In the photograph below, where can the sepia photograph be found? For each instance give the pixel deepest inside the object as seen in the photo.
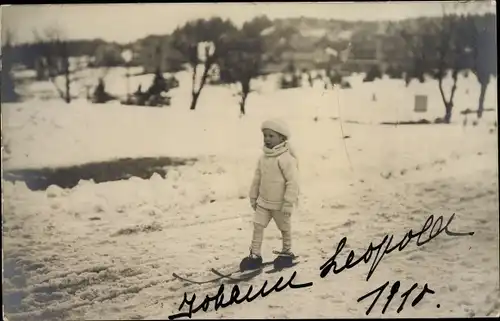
(249, 160)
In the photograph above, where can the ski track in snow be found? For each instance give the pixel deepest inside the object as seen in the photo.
(101, 251)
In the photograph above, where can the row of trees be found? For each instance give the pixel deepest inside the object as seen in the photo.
(50, 55)
(107, 54)
(438, 47)
(240, 53)
(452, 45)
(435, 47)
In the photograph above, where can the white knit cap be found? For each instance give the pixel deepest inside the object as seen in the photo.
(278, 126)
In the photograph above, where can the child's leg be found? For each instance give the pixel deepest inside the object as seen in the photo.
(260, 222)
(284, 225)
(257, 238)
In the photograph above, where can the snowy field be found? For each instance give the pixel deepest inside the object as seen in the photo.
(108, 250)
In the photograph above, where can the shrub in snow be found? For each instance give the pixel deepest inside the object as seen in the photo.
(100, 95)
(345, 85)
(335, 77)
(156, 95)
(289, 81)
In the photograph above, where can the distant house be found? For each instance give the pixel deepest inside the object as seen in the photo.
(305, 49)
(272, 68)
(307, 59)
(382, 48)
(313, 45)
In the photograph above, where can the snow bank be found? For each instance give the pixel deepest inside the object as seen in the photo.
(52, 133)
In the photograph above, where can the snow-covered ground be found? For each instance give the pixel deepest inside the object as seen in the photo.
(102, 251)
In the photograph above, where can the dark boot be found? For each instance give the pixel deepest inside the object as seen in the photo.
(251, 262)
(284, 260)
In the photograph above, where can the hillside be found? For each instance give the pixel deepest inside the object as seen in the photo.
(302, 40)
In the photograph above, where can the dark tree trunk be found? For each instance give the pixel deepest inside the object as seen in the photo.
(68, 81)
(242, 103)
(65, 61)
(245, 90)
(480, 108)
(194, 100)
(448, 112)
(8, 86)
(196, 93)
(448, 104)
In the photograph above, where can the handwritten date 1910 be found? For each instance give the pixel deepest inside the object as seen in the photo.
(394, 290)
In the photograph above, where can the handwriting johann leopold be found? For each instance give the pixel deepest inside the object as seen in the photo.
(235, 296)
(386, 241)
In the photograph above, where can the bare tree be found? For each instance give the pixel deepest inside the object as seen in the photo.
(186, 40)
(438, 49)
(242, 56)
(54, 56)
(449, 54)
(484, 52)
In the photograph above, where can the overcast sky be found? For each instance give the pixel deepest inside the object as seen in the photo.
(129, 22)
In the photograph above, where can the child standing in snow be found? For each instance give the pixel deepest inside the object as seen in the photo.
(274, 193)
